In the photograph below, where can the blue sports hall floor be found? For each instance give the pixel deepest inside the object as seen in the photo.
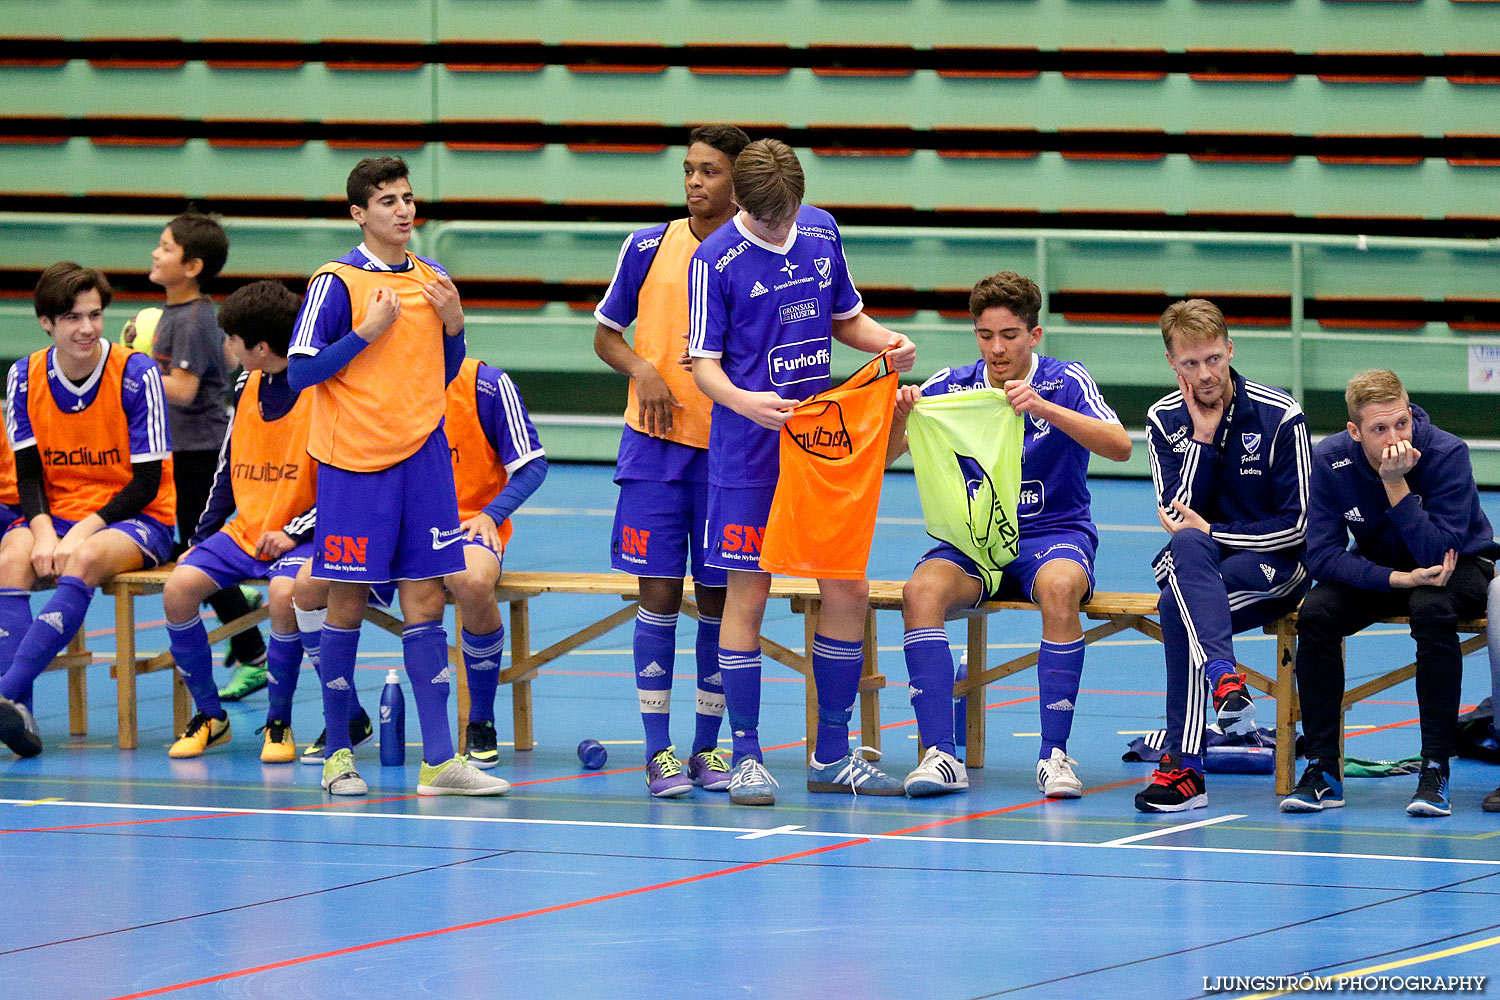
(131, 875)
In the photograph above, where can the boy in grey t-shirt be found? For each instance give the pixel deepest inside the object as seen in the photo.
(189, 347)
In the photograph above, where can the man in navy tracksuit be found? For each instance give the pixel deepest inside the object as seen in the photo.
(1231, 465)
(1422, 547)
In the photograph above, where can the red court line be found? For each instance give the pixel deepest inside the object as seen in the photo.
(1398, 725)
(607, 897)
(1376, 729)
(558, 908)
(623, 894)
(1006, 809)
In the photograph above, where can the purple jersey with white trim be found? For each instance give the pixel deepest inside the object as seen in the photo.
(617, 310)
(504, 418)
(766, 313)
(141, 397)
(1054, 467)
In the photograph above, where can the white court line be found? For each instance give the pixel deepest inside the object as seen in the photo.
(768, 833)
(913, 522)
(1164, 831)
(818, 834)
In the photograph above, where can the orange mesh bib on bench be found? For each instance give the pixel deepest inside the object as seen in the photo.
(832, 463)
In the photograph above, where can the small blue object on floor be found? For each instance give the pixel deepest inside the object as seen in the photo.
(592, 754)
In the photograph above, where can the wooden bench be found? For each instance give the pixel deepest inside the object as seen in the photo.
(1116, 612)
(1284, 688)
(1122, 611)
(516, 589)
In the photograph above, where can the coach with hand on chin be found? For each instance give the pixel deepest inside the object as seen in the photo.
(1422, 547)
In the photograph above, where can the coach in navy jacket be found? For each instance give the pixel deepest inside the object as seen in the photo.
(1231, 465)
(1422, 546)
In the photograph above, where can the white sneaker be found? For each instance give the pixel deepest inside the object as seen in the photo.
(752, 785)
(938, 774)
(456, 776)
(1055, 778)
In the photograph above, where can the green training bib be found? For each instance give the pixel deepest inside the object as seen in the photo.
(966, 447)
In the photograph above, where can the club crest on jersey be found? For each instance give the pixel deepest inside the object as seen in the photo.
(1040, 426)
(823, 434)
(825, 271)
(1252, 445)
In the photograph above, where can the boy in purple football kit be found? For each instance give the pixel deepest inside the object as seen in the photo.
(663, 463)
(1066, 420)
(768, 293)
(379, 338)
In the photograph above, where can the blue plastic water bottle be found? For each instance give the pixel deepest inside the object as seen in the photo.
(592, 754)
(392, 722)
(961, 705)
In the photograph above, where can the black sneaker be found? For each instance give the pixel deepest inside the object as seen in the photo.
(1319, 789)
(480, 746)
(1232, 705)
(1432, 790)
(360, 733)
(1172, 790)
(18, 729)
(1491, 802)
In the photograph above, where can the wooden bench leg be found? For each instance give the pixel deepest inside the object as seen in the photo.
(974, 738)
(460, 680)
(182, 703)
(520, 691)
(78, 690)
(869, 701)
(1286, 705)
(125, 667)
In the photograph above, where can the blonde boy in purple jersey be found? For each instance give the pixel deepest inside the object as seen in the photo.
(768, 294)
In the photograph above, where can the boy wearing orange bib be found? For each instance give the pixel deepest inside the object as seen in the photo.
(662, 470)
(88, 422)
(266, 479)
(380, 337)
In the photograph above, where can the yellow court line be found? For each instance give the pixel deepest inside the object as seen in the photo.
(37, 802)
(1402, 963)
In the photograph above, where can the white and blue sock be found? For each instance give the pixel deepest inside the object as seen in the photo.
(15, 618)
(188, 642)
(337, 649)
(655, 649)
(1059, 671)
(929, 667)
(283, 663)
(836, 665)
(60, 619)
(740, 672)
(482, 662)
(710, 714)
(424, 647)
